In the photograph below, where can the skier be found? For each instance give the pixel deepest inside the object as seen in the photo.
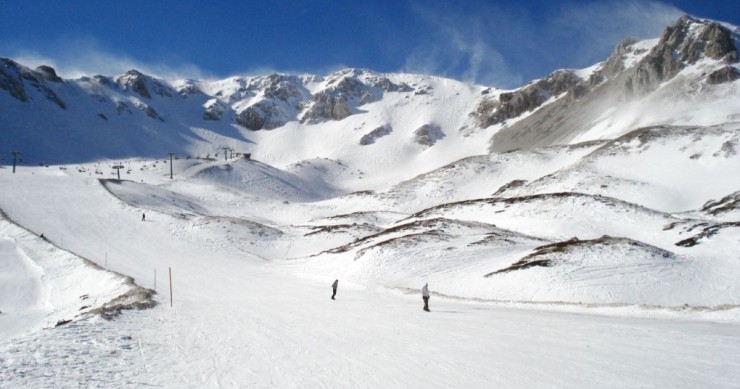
(334, 288)
(425, 296)
(143, 216)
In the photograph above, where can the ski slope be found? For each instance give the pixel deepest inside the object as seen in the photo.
(252, 311)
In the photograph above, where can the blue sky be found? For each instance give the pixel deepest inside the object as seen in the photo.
(500, 43)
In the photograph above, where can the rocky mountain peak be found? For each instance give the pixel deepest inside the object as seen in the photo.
(143, 85)
(693, 39)
(284, 88)
(615, 64)
(10, 79)
(48, 73)
(702, 52)
(13, 78)
(687, 42)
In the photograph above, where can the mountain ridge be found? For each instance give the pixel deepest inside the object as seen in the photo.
(694, 59)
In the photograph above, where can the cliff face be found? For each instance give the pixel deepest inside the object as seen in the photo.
(684, 67)
(682, 45)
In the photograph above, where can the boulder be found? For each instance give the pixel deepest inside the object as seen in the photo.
(428, 134)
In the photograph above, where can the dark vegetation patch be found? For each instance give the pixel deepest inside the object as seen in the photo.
(608, 201)
(706, 232)
(338, 228)
(351, 215)
(360, 215)
(136, 298)
(437, 224)
(409, 240)
(328, 229)
(541, 255)
(504, 236)
(362, 193)
(509, 186)
(258, 229)
(532, 260)
(726, 204)
(649, 134)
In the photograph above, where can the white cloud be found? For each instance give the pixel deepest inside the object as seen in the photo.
(85, 57)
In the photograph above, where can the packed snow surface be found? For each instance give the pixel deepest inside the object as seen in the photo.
(253, 249)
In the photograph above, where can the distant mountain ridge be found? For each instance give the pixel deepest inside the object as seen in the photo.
(669, 81)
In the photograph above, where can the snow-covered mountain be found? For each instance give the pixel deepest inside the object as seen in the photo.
(589, 190)
(403, 143)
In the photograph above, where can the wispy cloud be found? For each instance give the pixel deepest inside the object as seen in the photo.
(595, 28)
(457, 46)
(506, 44)
(86, 56)
(488, 42)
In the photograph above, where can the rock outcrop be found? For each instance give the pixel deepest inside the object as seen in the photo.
(280, 98)
(13, 78)
(723, 75)
(513, 104)
(373, 135)
(346, 90)
(428, 135)
(326, 106)
(143, 85)
(48, 73)
(683, 44)
(214, 110)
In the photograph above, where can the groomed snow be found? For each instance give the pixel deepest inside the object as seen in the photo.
(251, 304)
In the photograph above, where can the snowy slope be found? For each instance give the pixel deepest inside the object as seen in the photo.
(667, 168)
(43, 285)
(238, 320)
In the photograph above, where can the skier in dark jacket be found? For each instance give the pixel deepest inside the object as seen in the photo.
(334, 288)
(425, 296)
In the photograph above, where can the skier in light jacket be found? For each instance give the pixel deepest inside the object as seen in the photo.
(425, 296)
(334, 288)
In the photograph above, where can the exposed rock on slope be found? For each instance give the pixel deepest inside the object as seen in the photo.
(634, 71)
(214, 110)
(428, 134)
(143, 85)
(345, 91)
(513, 104)
(686, 43)
(726, 205)
(373, 135)
(13, 78)
(278, 100)
(723, 75)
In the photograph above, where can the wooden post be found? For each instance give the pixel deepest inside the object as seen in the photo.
(170, 287)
